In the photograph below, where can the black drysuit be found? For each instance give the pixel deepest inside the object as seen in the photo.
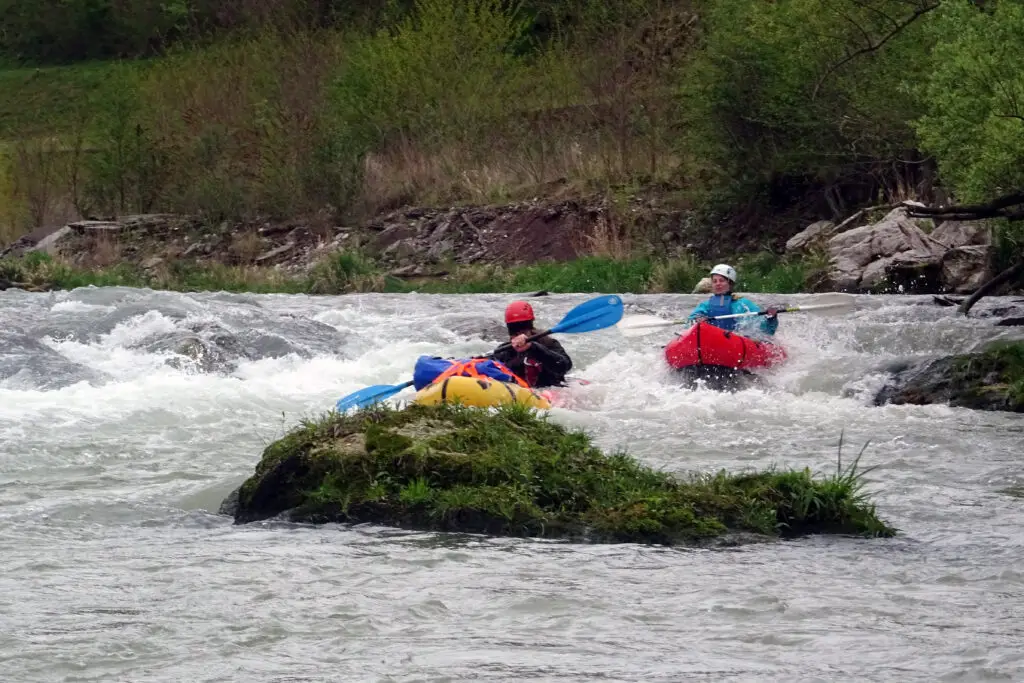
(544, 364)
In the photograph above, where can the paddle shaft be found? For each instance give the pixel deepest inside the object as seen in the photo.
(791, 309)
(641, 324)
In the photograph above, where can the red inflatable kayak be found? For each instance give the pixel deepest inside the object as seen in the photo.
(706, 345)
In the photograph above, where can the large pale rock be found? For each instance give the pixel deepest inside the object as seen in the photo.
(913, 272)
(51, 243)
(963, 233)
(873, 274)
(815, 234)
(965, 269)
(895, 251)
(861, 258)
(703, 287)
(390, 236)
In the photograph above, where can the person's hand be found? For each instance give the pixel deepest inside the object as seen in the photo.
(519, 343)
(772, 313)
(700, 319)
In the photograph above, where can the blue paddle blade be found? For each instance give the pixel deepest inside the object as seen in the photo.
(369, 396)
(596, 314)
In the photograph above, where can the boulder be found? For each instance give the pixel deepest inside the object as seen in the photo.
(814, 235)
(911, 272)
(895, 253)
(962, 233)
(990, 380)
(394, 234)
(51, 243)
(441, 249)
(400, 251)
(275, 252)
(965, 269)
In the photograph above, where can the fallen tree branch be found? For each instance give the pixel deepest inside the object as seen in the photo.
(997, 208)
(11, 284)
(970, 215)
(860, 214)
(1008, 275)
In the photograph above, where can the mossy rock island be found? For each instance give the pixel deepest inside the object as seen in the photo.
(990, 380)
(510, 472)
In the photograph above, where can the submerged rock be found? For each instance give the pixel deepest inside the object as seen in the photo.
(990, 380)
(28, 363)
(489, 331)
(508, 472)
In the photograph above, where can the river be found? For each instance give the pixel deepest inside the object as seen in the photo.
(116, 451)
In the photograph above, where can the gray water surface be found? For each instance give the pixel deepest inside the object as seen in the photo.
(127, 415)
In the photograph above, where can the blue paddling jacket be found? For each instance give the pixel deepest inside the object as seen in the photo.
(728, 304)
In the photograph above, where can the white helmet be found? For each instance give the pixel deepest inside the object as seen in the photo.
(725, 271)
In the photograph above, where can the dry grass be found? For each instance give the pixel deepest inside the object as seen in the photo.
(239, 124)
(105, 252)
(608, 238)
(508, 168)
(37, 186)
(254, 127)
(42, 179)
(246, 245)
(13, 211)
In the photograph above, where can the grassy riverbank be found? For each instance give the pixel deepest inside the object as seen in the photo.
(349, 272)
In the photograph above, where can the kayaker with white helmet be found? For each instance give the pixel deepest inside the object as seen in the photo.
(724, 302)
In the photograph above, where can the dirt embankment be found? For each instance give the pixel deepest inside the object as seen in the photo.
(411, 242)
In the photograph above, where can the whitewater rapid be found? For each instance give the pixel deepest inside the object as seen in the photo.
(127, 415)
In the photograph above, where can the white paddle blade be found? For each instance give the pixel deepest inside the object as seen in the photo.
(639, 325)
(831, 304)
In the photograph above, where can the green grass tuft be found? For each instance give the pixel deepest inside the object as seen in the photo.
(509, 472)
(999, 368)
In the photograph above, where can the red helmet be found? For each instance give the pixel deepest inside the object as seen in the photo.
(518, 312)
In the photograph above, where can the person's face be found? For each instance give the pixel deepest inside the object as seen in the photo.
(516, 329)
(719, 284)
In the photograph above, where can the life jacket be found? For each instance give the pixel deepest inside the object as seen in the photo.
(533, 369)
(431, 369)
(721, 304)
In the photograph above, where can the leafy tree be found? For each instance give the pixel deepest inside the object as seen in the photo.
(807, 91)
(974, 98)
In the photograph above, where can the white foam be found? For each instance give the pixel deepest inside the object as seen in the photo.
(80, 307)
(629, 381)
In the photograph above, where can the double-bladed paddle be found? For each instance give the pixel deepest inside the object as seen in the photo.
(638, 325)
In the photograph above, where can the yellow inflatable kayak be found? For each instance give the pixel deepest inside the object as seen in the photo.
(482, 393)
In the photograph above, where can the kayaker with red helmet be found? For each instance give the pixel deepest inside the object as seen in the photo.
(724, 302)
(542, 362)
